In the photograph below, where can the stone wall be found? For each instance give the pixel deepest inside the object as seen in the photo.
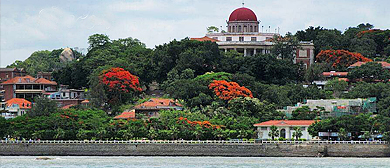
(244, 150)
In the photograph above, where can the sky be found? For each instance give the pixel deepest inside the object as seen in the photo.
(27, 26)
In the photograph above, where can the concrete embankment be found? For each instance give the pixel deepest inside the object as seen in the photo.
(242, 150)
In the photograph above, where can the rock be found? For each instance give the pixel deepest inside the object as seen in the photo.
(43, 158)
(67, 55)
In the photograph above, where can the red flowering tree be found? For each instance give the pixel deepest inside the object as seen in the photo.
(340, 58)
(229, 90)
(120, 83)
(118, 79)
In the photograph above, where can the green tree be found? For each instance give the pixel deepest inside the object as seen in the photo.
(297, 133)
(285, 47)
(274, 132)
(3, 127)
(43, 107)
(212, 29)
(304, 113)
(336, 86)
(369, 72)
(343, 134)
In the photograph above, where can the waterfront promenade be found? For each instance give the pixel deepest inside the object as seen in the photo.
(197, 148)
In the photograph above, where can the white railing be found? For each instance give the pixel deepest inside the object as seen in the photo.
(185, 142)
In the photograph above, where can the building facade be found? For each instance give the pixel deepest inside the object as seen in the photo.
(6, 74)
(68, 97)
(27, 87)
(243, 35)
(285, 128)
(152, 107)
(14, 107)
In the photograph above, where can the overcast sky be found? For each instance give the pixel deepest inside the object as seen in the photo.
(31, 25)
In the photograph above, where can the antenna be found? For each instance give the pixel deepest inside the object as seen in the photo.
(243, 3)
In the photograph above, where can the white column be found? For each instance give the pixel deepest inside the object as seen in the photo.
(254, 51)
(225, 49)
(244, 51)
(263, 51)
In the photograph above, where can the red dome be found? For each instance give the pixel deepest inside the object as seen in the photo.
(243, 14)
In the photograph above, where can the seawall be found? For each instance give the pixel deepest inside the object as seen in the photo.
(210, 149)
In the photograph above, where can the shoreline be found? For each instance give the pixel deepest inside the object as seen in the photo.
(197, 149)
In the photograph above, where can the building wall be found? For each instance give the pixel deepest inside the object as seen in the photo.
(236, 36)
(263, 134)
(232, 150)
(9, 92)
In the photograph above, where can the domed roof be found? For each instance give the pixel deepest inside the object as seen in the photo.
(243, 14)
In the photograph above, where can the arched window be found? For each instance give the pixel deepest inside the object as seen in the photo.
(239, 29)
(283, 133)
(229, 28)
(251, 28)
(234, 29)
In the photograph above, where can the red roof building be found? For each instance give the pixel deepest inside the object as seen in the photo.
(285, 128)
(286, 123)
(126, 115)
(205, 38)
(243, 14)
(27, 87)
(151, 107)
(385, 65)
(15, 107)
(334, 74)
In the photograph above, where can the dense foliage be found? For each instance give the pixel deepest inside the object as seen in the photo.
(224, 93)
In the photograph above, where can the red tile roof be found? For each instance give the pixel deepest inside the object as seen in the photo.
(157, 102)
(68, 106)
(23, 103)
(28, 80)
(126, 115)
(45, 81)
(332, 73)
(286, 123)
(205, 38)
(358, 64)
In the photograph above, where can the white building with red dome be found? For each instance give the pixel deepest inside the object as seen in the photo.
(243, 35)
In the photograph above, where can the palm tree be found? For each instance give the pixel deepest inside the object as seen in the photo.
(343, 134)
(297, 133)
(273, 132)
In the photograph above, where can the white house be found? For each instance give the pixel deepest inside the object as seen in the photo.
(285, 128)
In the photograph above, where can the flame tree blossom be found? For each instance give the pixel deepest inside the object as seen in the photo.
(229, 90)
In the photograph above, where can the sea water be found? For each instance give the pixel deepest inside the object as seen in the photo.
(192, 162)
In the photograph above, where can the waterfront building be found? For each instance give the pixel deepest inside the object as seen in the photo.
(245, 36)
(27, 87)
(6, 74)
(15, 107)
(285, 128)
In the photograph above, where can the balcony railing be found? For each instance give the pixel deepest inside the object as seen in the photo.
(186, 142)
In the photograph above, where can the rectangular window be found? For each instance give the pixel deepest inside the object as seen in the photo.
(241, 38)
(303, 128)
(264, 128)
(215, 38)
(253, 39)
(228, 38)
